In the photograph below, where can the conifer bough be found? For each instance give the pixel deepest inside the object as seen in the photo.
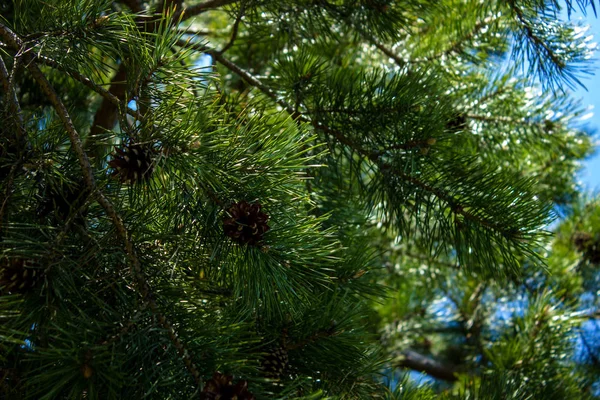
(186, 184)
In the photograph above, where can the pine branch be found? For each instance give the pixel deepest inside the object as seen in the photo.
(107, 115)
(196, 32)
(388, 52)
(111, 99)
(117, 221)
(249, 78)
(455, 47)
(122, 232)
(412, 360)
(123, 330)
(539, 42)
(373, 156)
(208, 145)
(452, 203)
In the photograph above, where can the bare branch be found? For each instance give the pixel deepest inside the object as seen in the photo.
(412, 360)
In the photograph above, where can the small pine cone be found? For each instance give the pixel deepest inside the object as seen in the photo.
(246, 223)
(582, 240)
(18, 275)
(133, 163)
(275, 363)
(220, 387)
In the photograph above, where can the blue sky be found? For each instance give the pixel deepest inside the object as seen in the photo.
(590, 175)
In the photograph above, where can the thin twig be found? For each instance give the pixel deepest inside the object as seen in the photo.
(234, 31)
(455, 47)
(90, 84)
(388, 52)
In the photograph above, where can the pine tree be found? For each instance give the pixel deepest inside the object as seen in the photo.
(260, 199)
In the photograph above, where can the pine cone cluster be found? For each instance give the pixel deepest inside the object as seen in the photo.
(246, 223)
(133, 163)
(221, 387)
(588, 245)
(18, 275)
(275, 363)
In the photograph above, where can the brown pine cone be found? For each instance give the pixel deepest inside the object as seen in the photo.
(18, 275)
(133, 163)
(246, 223)
(275, 362)
(220, 387)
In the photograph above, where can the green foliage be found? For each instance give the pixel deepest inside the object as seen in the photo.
(406, 178)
